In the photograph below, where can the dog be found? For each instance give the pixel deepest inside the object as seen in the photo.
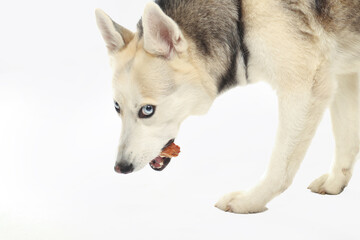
(185, 53)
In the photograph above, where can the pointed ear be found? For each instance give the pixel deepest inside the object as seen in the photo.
(116, 37)
(162, 36)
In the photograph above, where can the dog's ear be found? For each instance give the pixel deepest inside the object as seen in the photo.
(162, 36)
(116, 37)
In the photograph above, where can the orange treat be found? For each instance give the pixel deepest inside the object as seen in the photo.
(171, 151)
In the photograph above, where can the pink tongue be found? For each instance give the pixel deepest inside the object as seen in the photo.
(157, 162)
(158, 159)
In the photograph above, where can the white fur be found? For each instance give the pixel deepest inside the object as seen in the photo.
(153, 83)
(305, 89)
(345, 118)
(305, 74)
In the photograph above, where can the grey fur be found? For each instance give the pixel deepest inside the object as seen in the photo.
(333, 16)
(216, 28)
(308, 50)
(322, 8)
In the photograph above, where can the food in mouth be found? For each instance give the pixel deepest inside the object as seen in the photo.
(169, 151)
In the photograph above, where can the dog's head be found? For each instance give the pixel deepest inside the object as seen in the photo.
(157, 82)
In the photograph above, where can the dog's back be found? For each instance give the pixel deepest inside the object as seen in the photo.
(334, 23)
(338, 16)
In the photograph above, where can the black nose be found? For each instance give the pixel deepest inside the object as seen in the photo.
(124, 168)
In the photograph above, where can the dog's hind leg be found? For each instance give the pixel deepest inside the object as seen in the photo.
(346, 120)
(301, 106)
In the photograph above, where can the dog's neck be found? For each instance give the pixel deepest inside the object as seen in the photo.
(219, 40)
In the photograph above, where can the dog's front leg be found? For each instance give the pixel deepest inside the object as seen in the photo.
(300, 111)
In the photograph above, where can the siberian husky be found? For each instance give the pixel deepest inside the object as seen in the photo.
(187, 52)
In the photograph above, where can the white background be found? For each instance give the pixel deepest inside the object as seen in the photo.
(59, 133)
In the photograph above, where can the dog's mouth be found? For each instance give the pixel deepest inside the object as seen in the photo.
(160, 162)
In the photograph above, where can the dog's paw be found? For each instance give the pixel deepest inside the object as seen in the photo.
(240, 202)
(328, 184)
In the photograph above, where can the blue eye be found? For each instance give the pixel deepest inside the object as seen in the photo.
(117, 107)
(147, 111)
